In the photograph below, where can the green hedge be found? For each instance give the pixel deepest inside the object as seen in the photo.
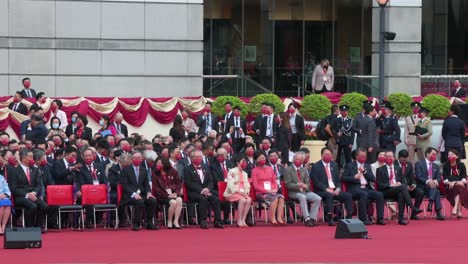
(315, 107)
(255, 105)
(438, 105)
(402, 103)
(218, 105)
(354, 101)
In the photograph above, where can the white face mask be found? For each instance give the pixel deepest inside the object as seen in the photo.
(55, 126)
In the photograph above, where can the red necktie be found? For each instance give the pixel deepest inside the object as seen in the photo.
(224, 170)
(429, 173)
(392, 175)
(327, 170)
(403, 168)
(298, 173)
(28, 175)
(93, 173)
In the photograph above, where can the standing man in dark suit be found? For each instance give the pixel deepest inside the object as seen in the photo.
(296, 122)
(119, 126)
(228, 118)
(389, 129)
(236, 135)
(390, 182)
(199, 183)
(358, 127)
(137, 192)
(360, 180)
(65, 168)
(332, 130)
(269, 125)
(326, 177)
(408, 173)
(38, 132)
(17, 105)
(368, 138)
(428, 178)
(257, 126)
(345, 136)
(26, 184)
(28, 92)
(453, 131)
(459, 91)
(207, 121)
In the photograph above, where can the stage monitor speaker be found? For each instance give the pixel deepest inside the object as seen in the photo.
(29, 237)
(350, 228)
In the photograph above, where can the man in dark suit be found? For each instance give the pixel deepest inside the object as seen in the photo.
(325, 175)
(44, 168)
(453, 131)
(219, 169)
(199, 183)
(122, 160)
(38, 131)
(26, 185)
(17, 105)
(228, 118)
(459, 91)
(28, 92)
(137, 192)
(389, 130)
(296, 122)
(119, 126)
(390, 182)
(65, 168)
(207, 121)
(257, 126)
(269, 123)
(368, 137)
(408, 173)
(236, 135)
(102, 152)
(359, 179)
(427, 179)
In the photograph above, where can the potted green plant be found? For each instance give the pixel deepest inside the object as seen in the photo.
(218, 105)
(401, 102)
(315, 107)
(255, 105)
(354, 101)
(438, 106)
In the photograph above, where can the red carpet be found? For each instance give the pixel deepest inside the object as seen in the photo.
(425, 241)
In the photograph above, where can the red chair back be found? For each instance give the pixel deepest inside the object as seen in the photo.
(344, 186)
(93, 194)
(284, 191)
(221, 189)
(185, 194)
(442, 186)
(59, 195)
(119, 193)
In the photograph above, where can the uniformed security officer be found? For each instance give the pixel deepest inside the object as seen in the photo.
(345, 138)
(389, 129)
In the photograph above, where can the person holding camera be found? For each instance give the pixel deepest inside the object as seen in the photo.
(55, 129)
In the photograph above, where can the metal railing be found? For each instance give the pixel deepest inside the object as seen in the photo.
(440, 84)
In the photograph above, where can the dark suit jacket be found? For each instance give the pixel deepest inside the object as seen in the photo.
(61, 174)
(123, 129)
(217, 172)
(84, 176)
(130, 184)
(25, 95)
(263, 128)
(282, 138)
(319, 176)
(383, 178)
(24, 127)
(22, 108)
(355, 184)
(46, 175)
(86, 134)
(447, 172)
(18, 182)
(160, 184)
(409, 173)
(69, 130)
(281, 170)
(201, 123)
(193, 181)
(300, 127)
(422, 174)
(229, 123)
(459, 94)
(453, 132)
(114, 177)
(37, 134)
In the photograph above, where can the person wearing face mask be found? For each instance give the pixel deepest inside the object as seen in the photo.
(41, 99)
(106, 127)
(64, 169)
(25, 184)
(38, 132)
(17, 104)
(82, 130)
(55, 129)
(177, 131)
(236, 135)
(428, 178)
(228, 118)
(207, 121)
(297, 181)
(238, 189)
(200, 184)
(122, 160)
(360, 182)
(137, 192)
(410, 124)
(297, 125)
(219, 169)
(187, 122)
(102, 153)
(257, 126)
(176, 160)
(389, 132)
(40, 160)
(167, 188)
(119, 126)
(453, 132)
(56, 111)
(71, 127)
(283, 138)
(374, 166)
(454, 172)
(407, 168)
(423, 132)
(27, 91)
(249, 154)
(266, 188)
(326, 177)
(323, 77)
(269, 125)
(368, 137)
(391, 182)
(345, 136)
(4, 139)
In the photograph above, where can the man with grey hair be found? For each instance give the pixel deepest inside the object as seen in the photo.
(150, 157)
(219, 169)
(122, 159)
(297, 182)
(121, 128)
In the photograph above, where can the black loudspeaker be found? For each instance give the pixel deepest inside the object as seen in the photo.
(350, 228)
(29, 237)
(389, 35)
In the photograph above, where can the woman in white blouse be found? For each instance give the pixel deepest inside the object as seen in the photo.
(238, 189)
(55, 111)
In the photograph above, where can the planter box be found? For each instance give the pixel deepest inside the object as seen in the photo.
(314, 146)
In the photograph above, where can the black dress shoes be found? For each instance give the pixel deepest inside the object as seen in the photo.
(414, 217)
(439, 216)
(380, 222)
(136, 228)
(152, 227)
(402, 222)
(309, 223)
(429, 206)
(219, 225)
(203, 225)
(192, 222)
(417, 211)
(366, 222)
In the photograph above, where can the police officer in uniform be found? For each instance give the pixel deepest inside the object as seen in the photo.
(345, 137)
(389, 129)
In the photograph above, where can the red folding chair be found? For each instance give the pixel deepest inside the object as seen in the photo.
(95, 196)
(288, 200)
(61, 197)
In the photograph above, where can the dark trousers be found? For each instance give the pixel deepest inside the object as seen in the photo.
(418, 196)
(343, 197)
(363, 196)
(149, 204)
(433, 195)
(295, 142)
(346, 151)
(388, 146)
(33, 211)
(203, 203)
(401, 194)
